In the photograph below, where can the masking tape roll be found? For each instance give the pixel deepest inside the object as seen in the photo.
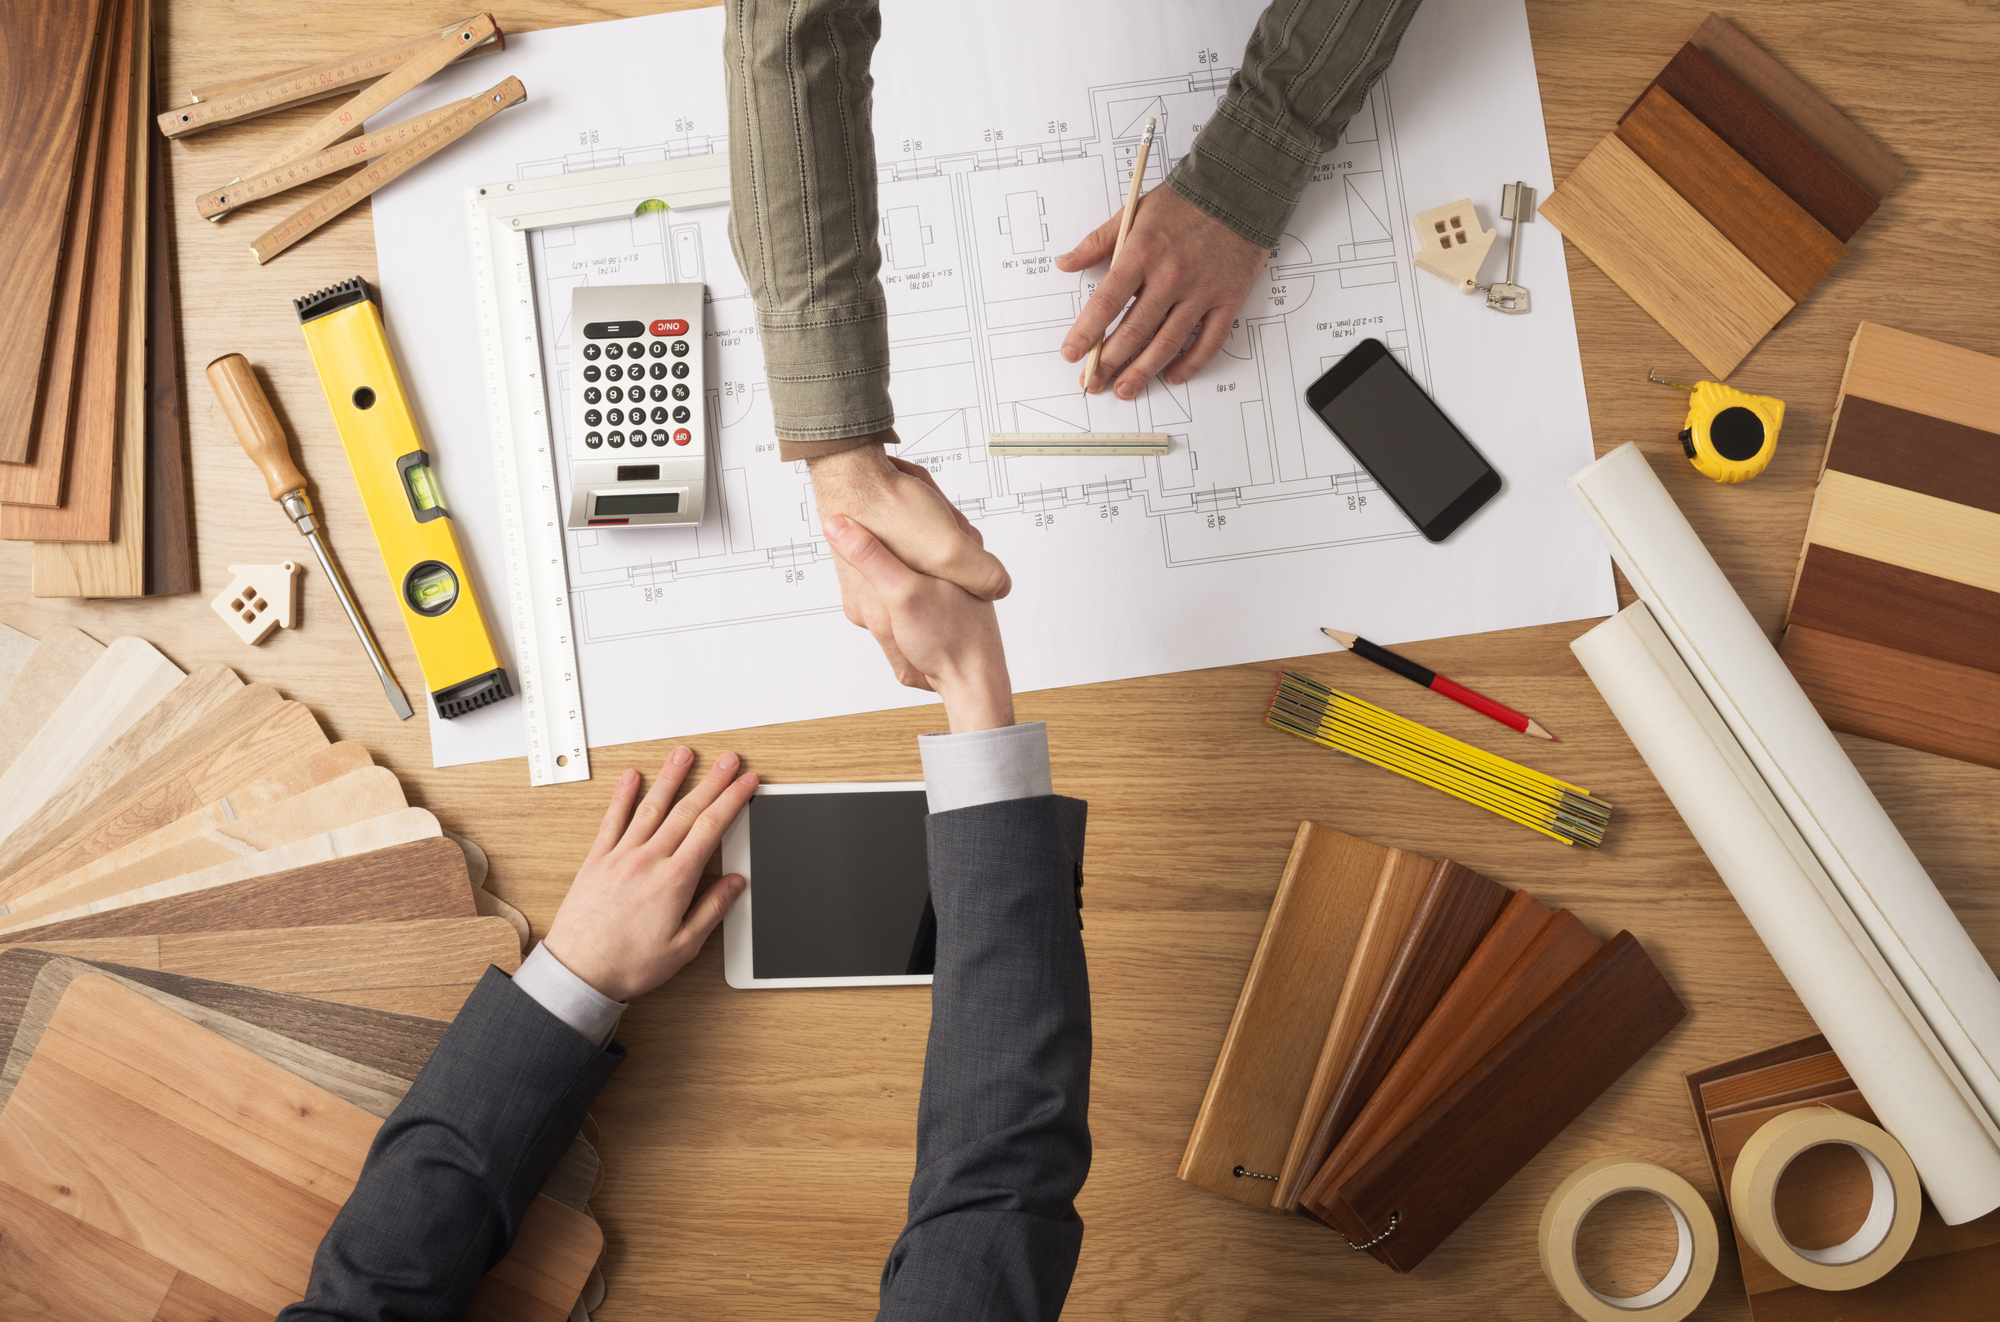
(1872, 1251)
(1686, 1282)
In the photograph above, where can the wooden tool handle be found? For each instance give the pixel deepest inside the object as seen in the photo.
(256, 425)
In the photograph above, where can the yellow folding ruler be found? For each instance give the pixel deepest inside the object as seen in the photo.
(329, 145)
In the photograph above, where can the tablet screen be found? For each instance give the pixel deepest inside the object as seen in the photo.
(842, 886)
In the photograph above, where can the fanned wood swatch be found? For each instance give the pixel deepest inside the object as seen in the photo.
(1772, 146)
(1543, 1075)
(1859, 156)
(1657, 248)
(45, 61)
(1905, 448)
(169, 552)
(1872, 601)
(15, 649)
(1750, 211)
(1898, 697)
(1295, 976)
(1398, 891)
(1948, 1273)
(222, 1164)
(58, 662)
(1942, 538)
(1924, 376)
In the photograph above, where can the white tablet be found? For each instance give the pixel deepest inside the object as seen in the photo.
(839, 887)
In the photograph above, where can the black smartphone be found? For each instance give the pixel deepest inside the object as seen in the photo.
(1403, 439)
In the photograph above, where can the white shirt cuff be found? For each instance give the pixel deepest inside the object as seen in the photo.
(986, 766)
(568, 997)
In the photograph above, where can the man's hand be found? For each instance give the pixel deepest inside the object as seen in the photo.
(637, 910)
(901, 504)
(936, 636)
(1188, 270)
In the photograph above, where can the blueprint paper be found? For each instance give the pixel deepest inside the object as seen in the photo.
(1256, 529)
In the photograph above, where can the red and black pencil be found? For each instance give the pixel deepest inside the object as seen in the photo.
(1437, 683)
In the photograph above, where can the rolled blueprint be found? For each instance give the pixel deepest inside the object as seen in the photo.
(1800, 760)
(1871, 1021)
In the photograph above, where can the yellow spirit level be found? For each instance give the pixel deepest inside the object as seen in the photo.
(343, 328)
(1728, 435)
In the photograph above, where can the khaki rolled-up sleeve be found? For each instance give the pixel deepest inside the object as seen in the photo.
(803, 221)
(1305, 73)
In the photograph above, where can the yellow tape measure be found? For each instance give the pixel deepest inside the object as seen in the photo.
(343, 328)
(1728, 435)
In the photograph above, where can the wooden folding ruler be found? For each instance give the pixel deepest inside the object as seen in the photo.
(329, 145)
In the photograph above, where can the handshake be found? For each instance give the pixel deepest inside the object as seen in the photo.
(917, 575)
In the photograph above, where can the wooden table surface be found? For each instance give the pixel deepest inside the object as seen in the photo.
(759, 1146)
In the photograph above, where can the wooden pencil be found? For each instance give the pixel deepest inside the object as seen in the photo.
(1124, 228)
(1437, 683)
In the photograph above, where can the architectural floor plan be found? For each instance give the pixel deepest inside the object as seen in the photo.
(1256, 503)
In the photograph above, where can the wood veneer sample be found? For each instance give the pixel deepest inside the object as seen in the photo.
(170, 566)
(1288, 997)
(39, 480)
(1656, 247)
(1811, 1075)
(1458, 908)
(42, 907)
(1904, 448)
(88, 489)
(1393, 907)
(15, 649)
(205, 689)
(45, 60)
(128, 679)
(115, 565)
(58, 662)
(1907, 528)
(1907, 371)
(1898, 697)
(1858, 155)
(1443, 1167)
(421, 879)
(1762, 137)
(192, 844)
(1751, 212)
(1855, 597)
(54, 1266)
(222, 760)
(1515, 969)
(222, 1164)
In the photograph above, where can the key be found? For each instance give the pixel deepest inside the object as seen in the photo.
(1517, 204)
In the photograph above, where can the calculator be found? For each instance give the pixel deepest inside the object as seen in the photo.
(638, 434)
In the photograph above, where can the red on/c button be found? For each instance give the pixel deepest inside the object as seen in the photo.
(682, 436)
(673, 326)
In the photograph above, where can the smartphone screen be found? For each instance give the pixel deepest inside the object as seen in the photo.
(1403, 439)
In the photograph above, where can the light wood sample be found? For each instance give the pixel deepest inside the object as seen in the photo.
(44, 680)
(128, 679)
(15, 649)
(1926, 376)
(1907, 528)
(1657, 248)
(151, 1129)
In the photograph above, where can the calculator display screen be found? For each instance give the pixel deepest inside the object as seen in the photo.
(641, 502)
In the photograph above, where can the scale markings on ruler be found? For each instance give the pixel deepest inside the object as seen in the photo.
(212, 110)
(464, 117)
(270, 183)
(531, 533)
(1077, 443)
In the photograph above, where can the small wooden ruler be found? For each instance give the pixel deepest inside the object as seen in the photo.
(1077, 442)
(229, 103)
(440, 129)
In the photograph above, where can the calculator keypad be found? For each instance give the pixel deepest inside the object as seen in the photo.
(637, 388)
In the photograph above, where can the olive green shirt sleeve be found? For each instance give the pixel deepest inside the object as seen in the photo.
(1305, 73)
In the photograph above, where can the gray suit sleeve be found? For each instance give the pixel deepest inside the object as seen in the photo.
(1305, 73)
(455, 1166)
(1003, 1143)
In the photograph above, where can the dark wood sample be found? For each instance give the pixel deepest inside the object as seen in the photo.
(1543, 1075)
(1773, 147)
(45, 66)
(396, 1044)
(1488, 1000)
(1864, 160)
(421, 879)
(39, 479)
(1753, 213)
(170, 564)
(1898, 697)
(1852, 596)
(1457, 911)
(1916, 452)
